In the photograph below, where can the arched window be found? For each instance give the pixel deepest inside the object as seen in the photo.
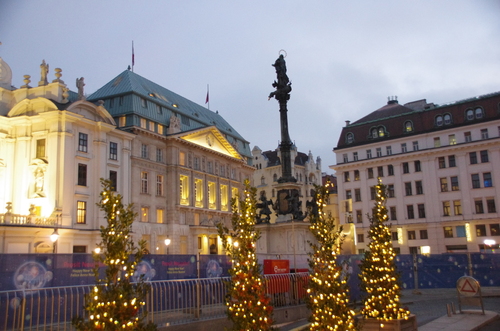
(381, 132)
(374, 133)
(439, 120)
(469, 115)
(447, 119)
(350, 138)
(479, 113)
(408, 126)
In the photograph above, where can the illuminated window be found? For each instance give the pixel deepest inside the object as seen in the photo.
(40, 148)
(83, 142)
(412, 235)
(444, 184)
(143, 123)
(212, 196)
(160, 129)
(452, 140)
(359, 216)
(159, 215)
(184, 190)
(235, 195)
(81, 213)
(457, 207)
(346, 177)
(144, 182)
(408, 126)
(182, 158)
(356, 174)
(448, 231)
(198, 192)
(145, 214)
(122, 121)
(224, 198)
(446, 208)
(151, 126)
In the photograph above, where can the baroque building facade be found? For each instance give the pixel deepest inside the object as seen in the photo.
(438, 162)
(177, 162)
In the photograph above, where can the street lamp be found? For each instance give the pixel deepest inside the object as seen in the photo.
(167, 243)
(53, 237)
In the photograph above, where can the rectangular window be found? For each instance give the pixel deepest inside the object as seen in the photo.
(454, 183)
(346, 159)
(451, 161)
(368, 153)
(421, 210)
(394, 235)
(359, 216)
(444, 184)
(408, 190)
(145, 214)
(441, 162)
(487, 179)
(348, 194)
(392, 211)
(122, 121)
(410, 212)
(361, 238)
(356, 174)
(484, 134)
(467, 137)
(357, 194)
(355, 156)
(406, 168)
(379, 152)
(495, 229)
(457, 207)
(448, 232)
(144, 151)
(143, 123)
(473, 157)
(159, 155)
(475, 181)
(212, 196)
(113, 177)
(144, 103)
(372, 193)
(159, 185)
(159, 216)
(484, 156)
(144, 182)
(411, 235)
(481, 230)
(113, 151)
(490, 204)
(419, 187)
(415, 145)
(184, 190)
(81, 213)
(403, 148)
(437, 142)
(151, 126)
(82, 174)
(380, 171)
(83, 142)
(346, 177)
(198, 192)
(388, 150)
(197, 163)
(478, 206)
(370, 172)
(452, 140)
(160, 129)
(417, 166)
(390, 170)
(40, 148)
(182, 158)
(224, 198)
(390, 191)
(460, 231)
(446, 208)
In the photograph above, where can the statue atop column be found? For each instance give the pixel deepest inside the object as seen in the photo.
(44, 70)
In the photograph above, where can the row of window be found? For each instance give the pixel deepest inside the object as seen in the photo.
(83, 140)
(199, 190)
(211, 167)
(452, 140)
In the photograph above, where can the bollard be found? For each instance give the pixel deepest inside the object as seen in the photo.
(453, 309)
(448, 310)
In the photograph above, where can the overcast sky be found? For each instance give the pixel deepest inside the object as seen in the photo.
(344, 58)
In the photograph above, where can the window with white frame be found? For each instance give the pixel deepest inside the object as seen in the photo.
(144, 182)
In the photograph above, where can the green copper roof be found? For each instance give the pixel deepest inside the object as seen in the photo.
(134, 88)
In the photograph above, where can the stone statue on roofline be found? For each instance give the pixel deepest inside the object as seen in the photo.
(44, 70)
(80, 84)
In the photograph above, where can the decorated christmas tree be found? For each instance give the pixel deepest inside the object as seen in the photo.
(247, 303)
(328, 290)
(115, 301)
(379, 277)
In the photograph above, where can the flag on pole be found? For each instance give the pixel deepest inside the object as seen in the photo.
(133, 57)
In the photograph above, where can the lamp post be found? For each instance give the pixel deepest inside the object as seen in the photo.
(53, 237)
(167, 243)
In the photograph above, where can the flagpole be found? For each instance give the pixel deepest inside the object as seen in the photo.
(133, 60)
(208, 97)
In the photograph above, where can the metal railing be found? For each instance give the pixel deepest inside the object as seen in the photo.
(168, 303)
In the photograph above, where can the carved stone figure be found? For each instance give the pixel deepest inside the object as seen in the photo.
(265, 211)
(80, 84)
(174, 125)
(39, 180)
(44, 70)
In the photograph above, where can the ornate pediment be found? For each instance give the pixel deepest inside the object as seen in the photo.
(211, 138)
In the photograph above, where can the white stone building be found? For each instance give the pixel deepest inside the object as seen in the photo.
(439, 163)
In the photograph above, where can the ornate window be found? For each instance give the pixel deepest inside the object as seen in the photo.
(439, 120)
(350, 138)
(447, 119)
